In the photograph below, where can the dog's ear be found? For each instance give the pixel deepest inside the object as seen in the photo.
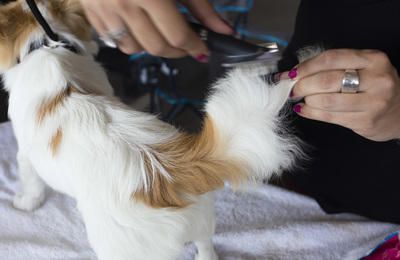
(71, 14)
(7, 58)
(15, 27)
(68, 13)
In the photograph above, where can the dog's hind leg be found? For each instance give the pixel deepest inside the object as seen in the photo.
(32, 192)
(205, 250)
(205, 228)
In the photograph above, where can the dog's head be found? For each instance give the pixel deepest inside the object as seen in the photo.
(18, 27)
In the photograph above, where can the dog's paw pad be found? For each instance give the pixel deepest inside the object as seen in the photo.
(27, 202)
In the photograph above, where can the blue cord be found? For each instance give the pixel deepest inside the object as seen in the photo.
(177, 101)
(238, 9)
(138, 56)
(227, 8)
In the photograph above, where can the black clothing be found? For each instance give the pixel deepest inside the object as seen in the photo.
(348, 173)
(3, 104)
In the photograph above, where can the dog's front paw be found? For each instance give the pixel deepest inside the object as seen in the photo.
(28, 202)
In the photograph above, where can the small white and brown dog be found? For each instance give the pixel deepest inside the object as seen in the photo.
(143, 187)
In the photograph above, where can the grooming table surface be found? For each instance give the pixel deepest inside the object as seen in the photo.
(265, 223)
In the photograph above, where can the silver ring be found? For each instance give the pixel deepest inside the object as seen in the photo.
(112, 37)
(117, 34)
(350, 82)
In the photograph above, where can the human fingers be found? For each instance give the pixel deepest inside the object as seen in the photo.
(339, 102)
(329, 82)
(147, 34)
(95, 20)
(345, 119)
(336, 59)
(115, 25)
(174, 28)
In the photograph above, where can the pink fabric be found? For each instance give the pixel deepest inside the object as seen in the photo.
(387, 251)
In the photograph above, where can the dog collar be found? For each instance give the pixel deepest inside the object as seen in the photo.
(45, 43)
(55, 40)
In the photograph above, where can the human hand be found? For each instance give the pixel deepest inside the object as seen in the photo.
(155, 26)
(373, 112)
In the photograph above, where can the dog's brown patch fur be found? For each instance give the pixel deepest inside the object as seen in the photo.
(17, 24)
(56, 141)
(15, 27)
(47, 108)
(195, 168)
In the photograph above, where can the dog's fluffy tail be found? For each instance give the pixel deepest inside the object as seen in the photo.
(247, 115)
(242, 138)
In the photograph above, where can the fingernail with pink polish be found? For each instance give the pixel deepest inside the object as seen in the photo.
(203, 58)
(293, 74)
(288, 75)
(297, 108)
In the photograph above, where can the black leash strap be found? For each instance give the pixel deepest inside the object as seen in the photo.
(40, 19)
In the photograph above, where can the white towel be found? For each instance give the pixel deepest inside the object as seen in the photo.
(264, 223)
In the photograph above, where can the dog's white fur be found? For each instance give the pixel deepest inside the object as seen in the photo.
(100, 159)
